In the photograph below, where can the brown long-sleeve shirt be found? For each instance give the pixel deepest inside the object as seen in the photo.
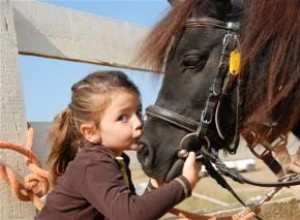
(93, 187)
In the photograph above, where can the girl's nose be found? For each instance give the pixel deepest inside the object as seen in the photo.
(137, 122)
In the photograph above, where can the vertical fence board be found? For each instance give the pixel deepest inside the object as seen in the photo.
(12, 113)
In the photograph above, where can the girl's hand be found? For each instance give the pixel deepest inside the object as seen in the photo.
(191, 169)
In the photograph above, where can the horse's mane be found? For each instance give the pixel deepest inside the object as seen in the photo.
(153, 50)
(270, 47)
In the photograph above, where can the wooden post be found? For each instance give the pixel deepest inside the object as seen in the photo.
(13, 124)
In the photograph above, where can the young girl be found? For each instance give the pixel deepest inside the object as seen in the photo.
(89, 168)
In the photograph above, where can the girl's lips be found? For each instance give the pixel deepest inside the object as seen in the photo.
(135, 143)
(136, 140)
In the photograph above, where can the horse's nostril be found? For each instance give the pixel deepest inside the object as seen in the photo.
(143, 150)
(143, 154)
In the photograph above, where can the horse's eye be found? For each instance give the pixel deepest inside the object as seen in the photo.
(192, 61)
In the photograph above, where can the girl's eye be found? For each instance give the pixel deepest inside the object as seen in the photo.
(123, 118)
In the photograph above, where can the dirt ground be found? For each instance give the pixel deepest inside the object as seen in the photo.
(209, 196)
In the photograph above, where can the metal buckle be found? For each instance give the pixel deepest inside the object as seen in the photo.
(183, 153)
(262, 147)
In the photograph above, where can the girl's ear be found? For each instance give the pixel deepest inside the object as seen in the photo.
(90, 132)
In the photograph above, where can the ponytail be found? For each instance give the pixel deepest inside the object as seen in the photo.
(63, 137)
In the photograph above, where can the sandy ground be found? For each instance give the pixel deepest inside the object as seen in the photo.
(209, 196)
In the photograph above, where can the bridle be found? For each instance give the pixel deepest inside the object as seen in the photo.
(209, 115)
(199, 129)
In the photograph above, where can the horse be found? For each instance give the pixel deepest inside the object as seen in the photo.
(231, 70)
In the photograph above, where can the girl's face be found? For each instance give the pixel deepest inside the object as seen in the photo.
(121, 124)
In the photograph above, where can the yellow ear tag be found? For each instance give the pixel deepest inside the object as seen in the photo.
(234, 62)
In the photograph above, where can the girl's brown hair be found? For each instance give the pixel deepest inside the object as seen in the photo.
(90, 97)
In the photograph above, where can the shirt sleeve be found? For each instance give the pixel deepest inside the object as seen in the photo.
(104, 188)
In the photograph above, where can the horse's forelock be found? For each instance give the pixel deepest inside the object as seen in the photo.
(155, 45)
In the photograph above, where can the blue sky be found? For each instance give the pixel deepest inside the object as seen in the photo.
(47, 82)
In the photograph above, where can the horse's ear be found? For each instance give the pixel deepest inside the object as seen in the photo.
(233, 8)
(174, 2)
(236, 10)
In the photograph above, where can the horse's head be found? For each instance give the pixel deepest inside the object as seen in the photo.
(195, 71)
(190, 114)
